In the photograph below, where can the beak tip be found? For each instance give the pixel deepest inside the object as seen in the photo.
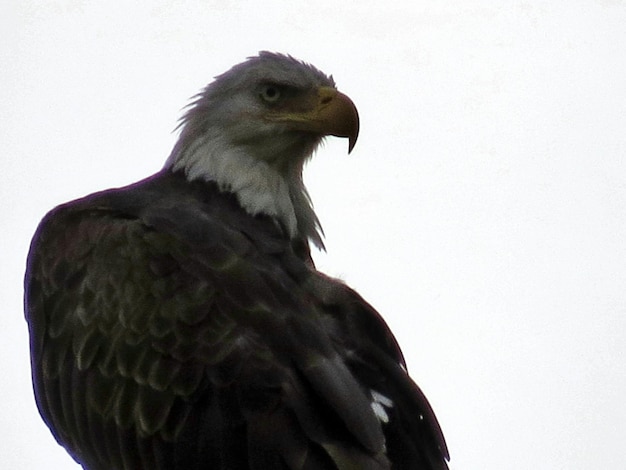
(354, 135)
(351, 144)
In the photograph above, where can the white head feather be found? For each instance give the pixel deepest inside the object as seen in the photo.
(225, 139)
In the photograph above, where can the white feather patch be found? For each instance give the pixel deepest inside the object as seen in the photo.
(259, 188)
(379, 404)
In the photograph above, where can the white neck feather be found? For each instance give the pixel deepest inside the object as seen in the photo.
(259, 187)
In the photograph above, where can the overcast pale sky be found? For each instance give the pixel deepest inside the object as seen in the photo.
(483, 210)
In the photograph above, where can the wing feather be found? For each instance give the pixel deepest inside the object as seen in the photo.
(176, 332)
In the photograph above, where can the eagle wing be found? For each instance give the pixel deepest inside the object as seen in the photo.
(177, 332)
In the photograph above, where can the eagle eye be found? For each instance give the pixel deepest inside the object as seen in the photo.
(270, 93)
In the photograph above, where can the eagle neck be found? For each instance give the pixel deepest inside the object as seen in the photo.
(259, 187)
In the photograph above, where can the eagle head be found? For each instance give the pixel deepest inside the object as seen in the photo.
(253, 128)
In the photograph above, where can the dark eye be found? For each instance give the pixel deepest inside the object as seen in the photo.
(270, 93)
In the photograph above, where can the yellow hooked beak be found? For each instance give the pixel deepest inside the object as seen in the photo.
(327, 112)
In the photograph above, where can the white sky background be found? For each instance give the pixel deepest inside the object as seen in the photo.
(483, 210)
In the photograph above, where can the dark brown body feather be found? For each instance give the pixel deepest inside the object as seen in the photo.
(172, 330)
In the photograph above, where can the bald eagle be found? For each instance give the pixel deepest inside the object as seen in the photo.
(179, 322)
